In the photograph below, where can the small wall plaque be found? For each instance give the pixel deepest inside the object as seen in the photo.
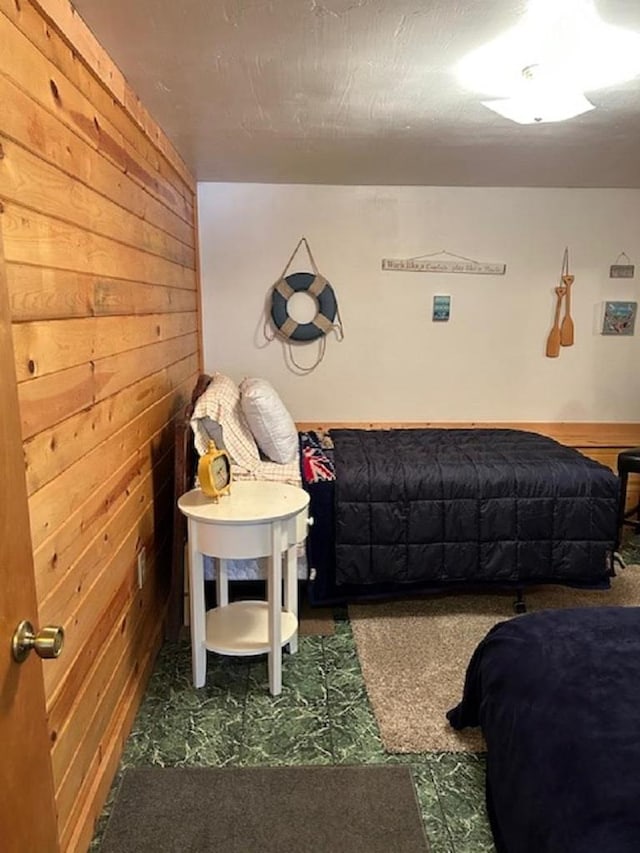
(621, 271)
(618, 270)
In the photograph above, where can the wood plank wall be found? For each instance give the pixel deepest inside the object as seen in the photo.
(98, 221)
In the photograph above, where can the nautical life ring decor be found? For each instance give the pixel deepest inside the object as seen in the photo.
(316, 286)
(292, 332)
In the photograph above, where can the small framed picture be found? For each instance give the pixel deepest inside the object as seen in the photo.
(441, 309)
(619, 318)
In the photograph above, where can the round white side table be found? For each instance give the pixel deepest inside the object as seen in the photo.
(258, 519)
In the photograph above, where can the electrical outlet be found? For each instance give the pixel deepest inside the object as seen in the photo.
(142, 566)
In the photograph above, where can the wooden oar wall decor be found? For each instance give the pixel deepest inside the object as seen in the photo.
(562, 332)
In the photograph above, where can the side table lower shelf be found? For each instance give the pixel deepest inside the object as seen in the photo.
(242, 628)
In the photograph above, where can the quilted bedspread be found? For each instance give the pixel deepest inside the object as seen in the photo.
(451, 506)
(556, 694)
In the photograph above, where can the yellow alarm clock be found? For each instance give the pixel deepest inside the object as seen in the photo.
(214, 472)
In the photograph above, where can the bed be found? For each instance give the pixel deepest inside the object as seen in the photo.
(556, 694)
(408, 511)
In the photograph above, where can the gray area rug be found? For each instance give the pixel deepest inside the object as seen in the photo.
(266, 810)
(414, 655)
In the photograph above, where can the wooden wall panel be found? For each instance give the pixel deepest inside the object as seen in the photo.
(59, 551)
(118, 371)
(98, 223)
(116, 573)
(76, 834)
(66, 595)
(40, 293)
(65, 733)
(52, 450)
(49, 347)
(85, 44)
(56, 502)
(49, 399)
(71, 767)
(27, 180)
(43, 134)
(31, 238)
(111, 673)
(68, 97)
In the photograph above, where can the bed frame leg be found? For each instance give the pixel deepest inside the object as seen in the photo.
(519, 605)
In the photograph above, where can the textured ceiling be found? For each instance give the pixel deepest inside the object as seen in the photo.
(353, 92)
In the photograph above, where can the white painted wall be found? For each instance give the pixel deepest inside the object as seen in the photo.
(488, 362)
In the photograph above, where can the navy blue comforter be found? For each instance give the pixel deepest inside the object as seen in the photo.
(405, 512)
(557, 695)
(469, 506)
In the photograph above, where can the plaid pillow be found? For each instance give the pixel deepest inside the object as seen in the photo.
(221, 403)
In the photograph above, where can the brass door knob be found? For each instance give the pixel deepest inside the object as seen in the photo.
(47, 642)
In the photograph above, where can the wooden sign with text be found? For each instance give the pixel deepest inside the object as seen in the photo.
(431, 265)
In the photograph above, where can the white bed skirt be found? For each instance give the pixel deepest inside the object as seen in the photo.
(251, 570)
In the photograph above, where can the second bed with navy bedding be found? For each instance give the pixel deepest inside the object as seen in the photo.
(556, 694)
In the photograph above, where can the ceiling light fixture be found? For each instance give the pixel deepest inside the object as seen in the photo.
(541, 68)
(540, 99)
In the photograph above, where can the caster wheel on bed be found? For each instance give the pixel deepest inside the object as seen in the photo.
(519, 607)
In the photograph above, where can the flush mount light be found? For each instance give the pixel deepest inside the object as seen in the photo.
(539, 99)
(572, 51)
(524, 111)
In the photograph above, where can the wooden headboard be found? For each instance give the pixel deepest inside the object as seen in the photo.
(184, 470)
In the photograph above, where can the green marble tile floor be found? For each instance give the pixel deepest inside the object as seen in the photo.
(323, 716)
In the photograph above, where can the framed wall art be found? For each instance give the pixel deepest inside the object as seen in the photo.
(441, 309)
(619, 318)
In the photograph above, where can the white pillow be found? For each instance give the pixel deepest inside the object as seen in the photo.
(221, 403)
(271, 424)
